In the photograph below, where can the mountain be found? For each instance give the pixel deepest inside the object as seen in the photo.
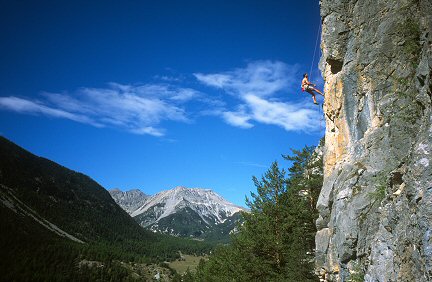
(68, 199)
(130, 200)
(56, 223)
(187, 212)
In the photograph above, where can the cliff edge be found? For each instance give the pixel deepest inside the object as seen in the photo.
(375, 206)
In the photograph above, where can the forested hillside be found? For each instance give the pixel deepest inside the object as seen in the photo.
(55, 221)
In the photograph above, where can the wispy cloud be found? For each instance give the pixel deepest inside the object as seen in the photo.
(291, 117)
(250, 95)
(251, 164)
(240, 119)
(138, 109)
(34, 107)
(256, 88)
(261, 78)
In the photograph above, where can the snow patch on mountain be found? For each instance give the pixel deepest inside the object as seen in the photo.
(211, 207)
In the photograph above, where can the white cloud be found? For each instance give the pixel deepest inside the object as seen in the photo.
(261, 78)
(240, 119)
(292, 117)
(138, 109)
(26, 106)
(254, 97)
(184, 95)
(217, 80)
(256, 87)
(149, 130)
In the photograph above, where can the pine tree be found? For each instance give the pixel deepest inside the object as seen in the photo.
(263, 234)
(305, 181)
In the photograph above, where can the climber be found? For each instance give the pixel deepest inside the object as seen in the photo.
(307, 86)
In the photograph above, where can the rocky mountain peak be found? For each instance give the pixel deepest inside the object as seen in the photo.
(128, 200)
(184, 211)
(204, 200)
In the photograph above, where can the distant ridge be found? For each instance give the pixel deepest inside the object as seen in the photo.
(190, 212)
(130, 200)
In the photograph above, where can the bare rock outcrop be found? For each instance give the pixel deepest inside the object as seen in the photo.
(375, 206)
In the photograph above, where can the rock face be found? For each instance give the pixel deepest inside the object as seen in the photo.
(375, 206)
(130, 200)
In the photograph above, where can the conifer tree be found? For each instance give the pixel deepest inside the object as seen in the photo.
(263, 234)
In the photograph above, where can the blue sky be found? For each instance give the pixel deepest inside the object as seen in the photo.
(158, 94)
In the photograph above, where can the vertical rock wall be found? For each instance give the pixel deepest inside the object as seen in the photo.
(375, 207)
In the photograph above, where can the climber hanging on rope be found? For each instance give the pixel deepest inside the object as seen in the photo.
(309, 88)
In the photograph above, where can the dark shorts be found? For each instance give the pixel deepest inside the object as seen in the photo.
(308, 88)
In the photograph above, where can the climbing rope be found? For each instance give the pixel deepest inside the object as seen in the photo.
(321, 113)
(313, 57)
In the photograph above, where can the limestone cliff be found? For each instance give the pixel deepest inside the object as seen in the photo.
(375, 207)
